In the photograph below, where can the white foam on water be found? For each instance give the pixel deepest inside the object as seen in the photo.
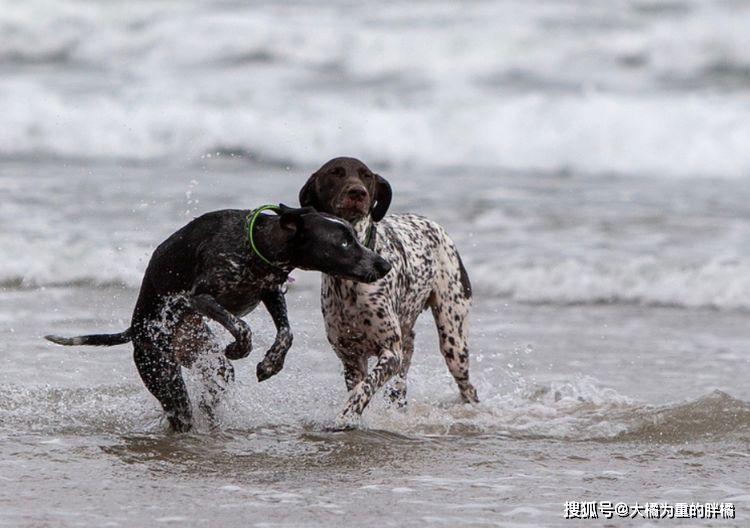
(579, 411)
(505, 84)
(553, 87)
(70, 259)
(719, 283)
(674, 136)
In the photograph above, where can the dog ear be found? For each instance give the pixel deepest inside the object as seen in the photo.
(308, 196)
(291, 220)
(383, 197)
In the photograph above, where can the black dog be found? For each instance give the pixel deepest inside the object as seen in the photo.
(221, 265)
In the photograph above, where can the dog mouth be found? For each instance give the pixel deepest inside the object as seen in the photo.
(351, 210)
(351, 213)
(371, 274)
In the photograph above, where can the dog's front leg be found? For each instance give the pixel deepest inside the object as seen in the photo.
(273, 361)
(387, 366)
(206, 305)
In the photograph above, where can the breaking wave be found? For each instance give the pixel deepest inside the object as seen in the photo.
(719, 284)
(506, 85)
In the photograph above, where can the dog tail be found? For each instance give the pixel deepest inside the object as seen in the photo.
(93, 340)
(465, 283)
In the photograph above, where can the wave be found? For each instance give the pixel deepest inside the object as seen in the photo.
(648, 93)
(720, 283)
(671, 136)
(571, 411)
(64, 261)
(580, 411)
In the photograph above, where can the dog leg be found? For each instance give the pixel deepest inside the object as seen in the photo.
(388, 364)
(206, 305)
(162, 377)
(396, 391)
(217, 374)
(355, 370)
(194, 346)
(273, 361)
(451, 313)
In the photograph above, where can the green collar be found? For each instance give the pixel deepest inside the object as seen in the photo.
(251, 218)
(371, 236)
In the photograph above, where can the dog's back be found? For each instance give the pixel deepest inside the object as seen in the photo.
(425, 261)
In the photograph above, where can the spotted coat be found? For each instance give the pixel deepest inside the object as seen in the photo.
(377, 319)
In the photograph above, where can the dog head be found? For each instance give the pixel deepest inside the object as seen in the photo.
(322, 242)
(347, 188)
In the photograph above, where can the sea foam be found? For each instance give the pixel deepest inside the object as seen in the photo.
(506, 85)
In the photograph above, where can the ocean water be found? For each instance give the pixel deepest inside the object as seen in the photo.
(589, 158)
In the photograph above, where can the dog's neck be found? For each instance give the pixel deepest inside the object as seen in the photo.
(273, 242)
(363, 229)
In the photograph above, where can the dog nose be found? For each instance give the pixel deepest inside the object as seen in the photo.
(357, 193)
(382, 266)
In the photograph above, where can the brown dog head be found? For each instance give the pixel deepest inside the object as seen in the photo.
(347, 188)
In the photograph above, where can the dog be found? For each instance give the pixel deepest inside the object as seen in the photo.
(220, 266)
(377, 319)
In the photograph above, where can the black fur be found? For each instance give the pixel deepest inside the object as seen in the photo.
(93, 339)
(208, 269)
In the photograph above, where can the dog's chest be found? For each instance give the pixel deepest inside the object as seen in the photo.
(239, 283)
(364, 318)
(356, 320)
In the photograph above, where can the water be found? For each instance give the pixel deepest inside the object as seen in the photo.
(590, 161)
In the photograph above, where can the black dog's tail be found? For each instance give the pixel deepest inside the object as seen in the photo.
(93, 340)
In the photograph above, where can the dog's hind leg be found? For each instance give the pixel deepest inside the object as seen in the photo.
(195, 346)
(217, 374)
(450, 309)
(162, 377)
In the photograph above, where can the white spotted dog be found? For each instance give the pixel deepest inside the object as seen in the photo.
(377, 319)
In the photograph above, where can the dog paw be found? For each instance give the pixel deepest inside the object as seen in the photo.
(237, 350)
(345, 422)
(395, 397)
(179, 425)
(267, 368)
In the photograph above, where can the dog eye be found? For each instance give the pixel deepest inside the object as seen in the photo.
(345, 244)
